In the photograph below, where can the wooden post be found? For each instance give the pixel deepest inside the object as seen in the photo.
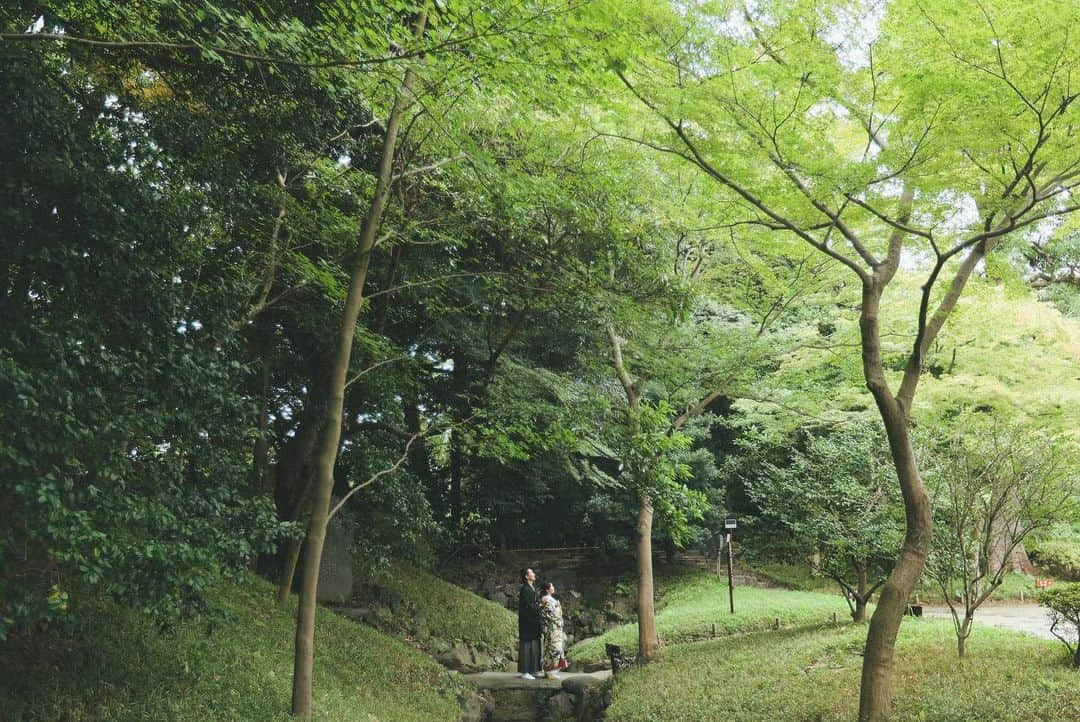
(730, 581)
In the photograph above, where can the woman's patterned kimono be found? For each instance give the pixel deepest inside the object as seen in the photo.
(552, 638)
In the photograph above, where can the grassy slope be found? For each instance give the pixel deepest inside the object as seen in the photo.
(812, 673)
(695, 600)
(450, 612)
(797, 576)
(121, 669)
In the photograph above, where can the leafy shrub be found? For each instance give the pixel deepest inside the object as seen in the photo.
(1060, 558)
(1064, 603)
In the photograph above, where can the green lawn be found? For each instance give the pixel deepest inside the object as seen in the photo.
(812, 673)
(799, 576)
(692, 602)
(448, 612)
(119, 668)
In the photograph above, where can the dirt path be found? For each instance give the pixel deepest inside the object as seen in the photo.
(1029, 618)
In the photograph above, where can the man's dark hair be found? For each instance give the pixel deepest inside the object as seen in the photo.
(525, 573)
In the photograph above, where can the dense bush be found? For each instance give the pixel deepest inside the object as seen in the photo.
(1060, 558)
(127, 436)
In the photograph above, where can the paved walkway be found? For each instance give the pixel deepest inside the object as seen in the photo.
(1028, 618)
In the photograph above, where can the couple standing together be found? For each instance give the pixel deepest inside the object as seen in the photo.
(542, 647)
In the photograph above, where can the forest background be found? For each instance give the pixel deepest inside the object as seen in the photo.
(547, 273)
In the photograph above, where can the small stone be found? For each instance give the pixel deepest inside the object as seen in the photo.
(482, 660)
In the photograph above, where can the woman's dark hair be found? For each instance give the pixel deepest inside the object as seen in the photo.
(524, 574)
(545, 588)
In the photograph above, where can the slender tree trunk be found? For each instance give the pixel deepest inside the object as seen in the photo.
(327, 450)
(962, 634)
(875, 698)
(861, 597)
(419, 465)
(261, 452)
(1004, 552)
(457, 468)
(288, 569)
(292, 551)
(648, 648)
(460, 379)
(292, 479)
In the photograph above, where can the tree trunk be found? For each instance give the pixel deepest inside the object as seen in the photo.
(457, 468)
(859, 615)
(461, 405)
(861, 597)
(292, 472)
(648, 649)
(292, 478)
(327, 450)
(1000, 555)
(261, 452)
(292, 551)
(962, 634)
(419, 466)
(288, 569)
(875, 693)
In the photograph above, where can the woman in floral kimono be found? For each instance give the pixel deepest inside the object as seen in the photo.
(552, 638)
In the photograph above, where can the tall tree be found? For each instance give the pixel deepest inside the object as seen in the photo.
(863, 150)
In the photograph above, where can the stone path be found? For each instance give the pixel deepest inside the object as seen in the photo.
(512, 680)
(1029, 618)
(509, 698)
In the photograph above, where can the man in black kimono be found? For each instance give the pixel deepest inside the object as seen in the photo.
(528, 627)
